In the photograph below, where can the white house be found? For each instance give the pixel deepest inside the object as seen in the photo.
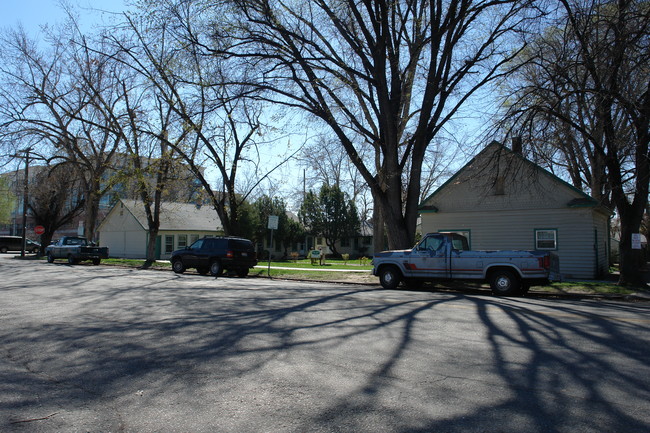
(500, 200)
(125, 230)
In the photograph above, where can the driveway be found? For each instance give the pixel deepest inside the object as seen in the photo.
(98, 349)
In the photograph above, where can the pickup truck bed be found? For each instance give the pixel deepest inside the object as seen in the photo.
(75, 249)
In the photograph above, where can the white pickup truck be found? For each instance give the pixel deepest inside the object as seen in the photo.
(446, 256)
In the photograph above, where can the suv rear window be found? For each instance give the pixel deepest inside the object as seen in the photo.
(240, 245)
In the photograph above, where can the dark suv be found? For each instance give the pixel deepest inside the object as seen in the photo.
(15, 243)
(214, 255)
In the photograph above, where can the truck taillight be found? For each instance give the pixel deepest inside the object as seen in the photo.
(545, 262)
(230, 254)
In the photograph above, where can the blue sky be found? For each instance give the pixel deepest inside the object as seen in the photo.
(34, 13)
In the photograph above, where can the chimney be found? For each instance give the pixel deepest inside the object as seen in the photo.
(517, 146)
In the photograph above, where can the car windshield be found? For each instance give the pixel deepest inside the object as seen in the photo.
(197, 245)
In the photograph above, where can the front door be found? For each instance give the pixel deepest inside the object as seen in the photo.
(430, 258)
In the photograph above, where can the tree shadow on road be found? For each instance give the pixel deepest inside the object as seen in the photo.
(407, 361)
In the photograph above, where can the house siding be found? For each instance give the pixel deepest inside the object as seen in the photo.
(123, 234)
(126, 236)
(515, 230)
(501, 199)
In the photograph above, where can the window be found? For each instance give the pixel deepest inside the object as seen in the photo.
(182, 241)
(197, 245)
(546, 239)
(458, 243)
(169, 244)
(431, 243)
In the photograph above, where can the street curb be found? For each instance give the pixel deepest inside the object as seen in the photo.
(641, 296)
(634, 297)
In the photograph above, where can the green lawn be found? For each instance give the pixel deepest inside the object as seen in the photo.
(329, 264)
(355, 265)
(306, 271)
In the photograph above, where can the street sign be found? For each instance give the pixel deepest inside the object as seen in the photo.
(39, 230)
(273, 222)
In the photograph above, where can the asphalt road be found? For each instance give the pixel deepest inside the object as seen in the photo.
(100, 349)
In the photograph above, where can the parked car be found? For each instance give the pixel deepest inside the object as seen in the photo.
(216, 255)
(75, 249)
(15, 243)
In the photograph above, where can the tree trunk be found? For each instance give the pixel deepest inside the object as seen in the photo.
(151, 247)
(378, 227)
(630, 259)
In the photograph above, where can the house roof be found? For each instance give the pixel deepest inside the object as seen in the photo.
(583, 200)
(177, 216)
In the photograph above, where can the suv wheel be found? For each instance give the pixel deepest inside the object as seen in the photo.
(216, 269)
(242, 272)
(178, 266)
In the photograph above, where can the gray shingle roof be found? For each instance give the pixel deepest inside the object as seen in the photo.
(178, 216)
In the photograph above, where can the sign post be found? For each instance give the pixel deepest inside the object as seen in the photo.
(272, 225)
(39, 230)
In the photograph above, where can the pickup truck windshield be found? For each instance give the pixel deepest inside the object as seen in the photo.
(75, 241)
(435, 242)
(431, 243)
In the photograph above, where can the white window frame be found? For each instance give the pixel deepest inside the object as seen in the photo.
(546, 239)
(168, 245)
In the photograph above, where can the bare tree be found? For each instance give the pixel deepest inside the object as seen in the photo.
(133, 111)
(216, 127)
(45, 104)
(55, 199)
(325, 164)
(384, 74)
(586, 86)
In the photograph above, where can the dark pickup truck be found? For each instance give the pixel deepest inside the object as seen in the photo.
(75, 249)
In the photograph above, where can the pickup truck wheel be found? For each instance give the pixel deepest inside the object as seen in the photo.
(97, 261)
(72, 260)
(3, 250)
(216, 269)
(504, 283)
(389, 277)
(50, 258)
(178, 266)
